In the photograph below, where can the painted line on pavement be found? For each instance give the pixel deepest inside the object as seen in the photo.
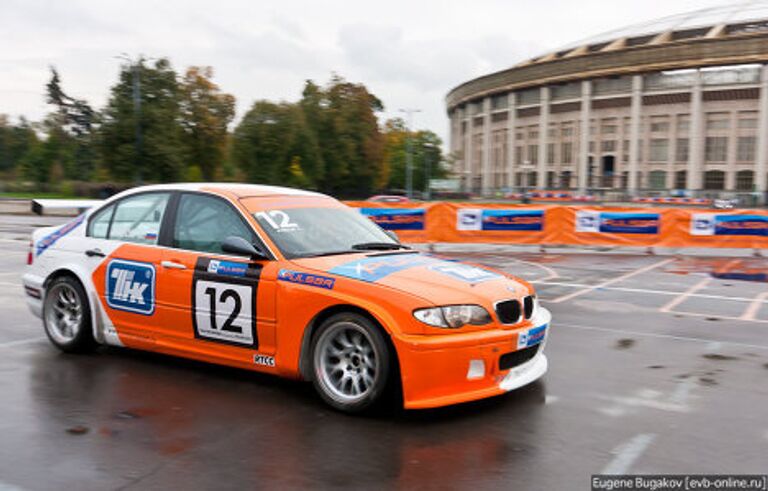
(627, 453)
(604, 284)
(663, 336)
(644, 290)
(754, 307)
(21, 342)
(680, 299)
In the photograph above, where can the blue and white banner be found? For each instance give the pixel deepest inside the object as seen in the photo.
(724, 224)
(499, 220)
(617, 222)
(396, 218)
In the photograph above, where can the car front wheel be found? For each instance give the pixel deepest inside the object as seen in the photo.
(67, 316)
(351, 362)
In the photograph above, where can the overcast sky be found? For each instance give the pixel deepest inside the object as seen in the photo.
(408, 53)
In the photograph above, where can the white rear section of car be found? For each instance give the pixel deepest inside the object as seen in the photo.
(59, 249)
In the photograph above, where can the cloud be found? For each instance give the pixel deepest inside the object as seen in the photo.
(410, 54)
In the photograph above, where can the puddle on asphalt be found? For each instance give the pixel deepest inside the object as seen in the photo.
(719, 357)
(625, 343)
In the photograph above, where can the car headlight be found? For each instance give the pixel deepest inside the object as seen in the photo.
(453, 316)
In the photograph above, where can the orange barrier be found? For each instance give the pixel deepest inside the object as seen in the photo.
(573, 225)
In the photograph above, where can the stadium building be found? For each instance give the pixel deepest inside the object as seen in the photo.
(677, 103)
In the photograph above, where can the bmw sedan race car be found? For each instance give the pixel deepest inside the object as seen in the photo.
(287, 282)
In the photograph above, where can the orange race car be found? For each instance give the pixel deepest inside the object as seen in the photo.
(288, 282)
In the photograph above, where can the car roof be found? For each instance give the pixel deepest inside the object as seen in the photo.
(231, 189)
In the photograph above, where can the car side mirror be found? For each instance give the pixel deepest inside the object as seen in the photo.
(241, 247)
(392, 235)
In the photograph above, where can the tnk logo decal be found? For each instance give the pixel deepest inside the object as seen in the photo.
(131, 286)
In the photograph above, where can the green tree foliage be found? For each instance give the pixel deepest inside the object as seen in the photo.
(205, 114)
(331, 136)
(329, 140)
(16, 141)
(71, 140)
(426, 156)
(160, 154)
(268, 139)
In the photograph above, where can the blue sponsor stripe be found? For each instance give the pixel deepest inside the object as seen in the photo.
(630, 223)
(512, 220)
(375, 268)
(227, 268)
(465, 272)
(396, 218)
(53, 237)
(751, 225)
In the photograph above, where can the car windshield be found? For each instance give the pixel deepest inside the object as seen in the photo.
(307, 232)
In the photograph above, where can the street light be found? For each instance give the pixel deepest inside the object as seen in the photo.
(136, 83)
(428, 148)
(409, 151)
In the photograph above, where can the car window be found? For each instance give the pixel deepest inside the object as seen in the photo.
(203, 222)
(302, 232)
(138, 218)
(99, 224)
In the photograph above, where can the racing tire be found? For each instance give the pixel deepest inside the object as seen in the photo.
(351, 362)
(67, 316)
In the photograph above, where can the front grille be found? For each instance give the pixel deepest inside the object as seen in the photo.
(528, 306)
(517, 358)
(508, 311)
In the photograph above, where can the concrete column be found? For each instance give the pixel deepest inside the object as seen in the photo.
(762, 138)
(696, 138)
(486, 172)
(634, 133)
(541, 180)
(466, 174)
(511, 139)
(584, 136)
(730, 156)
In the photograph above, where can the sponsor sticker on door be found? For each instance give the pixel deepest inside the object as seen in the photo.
(131, 286)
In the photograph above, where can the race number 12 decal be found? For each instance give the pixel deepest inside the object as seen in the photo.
(224, 301)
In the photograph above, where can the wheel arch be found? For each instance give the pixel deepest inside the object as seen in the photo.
(305, 359)
(93, 303)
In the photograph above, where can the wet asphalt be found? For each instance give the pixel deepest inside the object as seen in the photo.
(658, 364)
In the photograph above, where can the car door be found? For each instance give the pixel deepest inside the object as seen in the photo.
(123, 247)
(223, 305)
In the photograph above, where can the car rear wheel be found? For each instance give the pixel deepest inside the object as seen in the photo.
(351, 362)
(67, 316)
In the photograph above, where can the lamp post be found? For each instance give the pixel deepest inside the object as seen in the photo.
(409, 151)
(136, 94)
(428, 147)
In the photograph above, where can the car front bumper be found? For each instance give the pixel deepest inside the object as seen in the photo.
(451, 369)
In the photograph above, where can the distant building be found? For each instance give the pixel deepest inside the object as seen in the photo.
(678, 103)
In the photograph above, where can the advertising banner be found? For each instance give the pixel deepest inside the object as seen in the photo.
(396, 218)
(569, 225)
(726, 224)
(506, 220)
(617, 222)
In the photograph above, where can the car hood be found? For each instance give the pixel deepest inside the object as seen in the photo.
(439, 280)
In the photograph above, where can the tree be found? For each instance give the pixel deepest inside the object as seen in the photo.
(427, 158)
(70, 131)
(267, 141)
(205, 115)
(16, 141)
(350, 139)
(157, 154)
